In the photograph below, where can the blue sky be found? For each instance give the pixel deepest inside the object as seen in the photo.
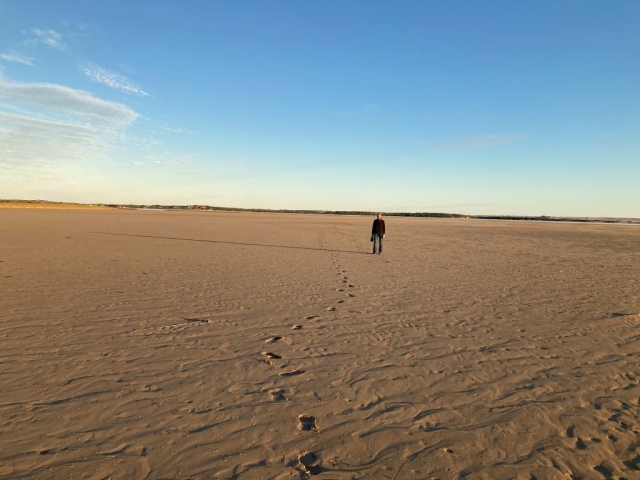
(480, 107)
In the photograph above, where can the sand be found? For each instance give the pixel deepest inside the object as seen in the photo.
(152, 344)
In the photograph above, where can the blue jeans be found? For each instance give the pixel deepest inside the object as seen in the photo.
(377, 237)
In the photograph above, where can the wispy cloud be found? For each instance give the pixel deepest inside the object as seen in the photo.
(29, 140)
(67, 101)
(173, 129)
(480, 141)
(16, 57)
(50, 38)
(167, 162)
(110, 79)
(43, 124)
(35, 37)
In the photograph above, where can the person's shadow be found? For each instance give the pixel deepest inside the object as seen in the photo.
(232, 243)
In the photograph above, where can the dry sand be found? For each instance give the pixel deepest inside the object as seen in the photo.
(144, 344)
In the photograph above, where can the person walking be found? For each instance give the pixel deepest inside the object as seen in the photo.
(377, 233)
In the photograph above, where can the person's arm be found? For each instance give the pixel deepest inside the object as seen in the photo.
(373, 227)
(383, 228)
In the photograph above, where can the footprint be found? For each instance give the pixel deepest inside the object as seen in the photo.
(351, 295)
(307, 461)
(291, 373)
(331, 309)
(296, 327)
(151, 388)
(580, 445)
(311, 317)
(345, 281)
(605, 471)
(307, 422)
(570, 431)
(340, 301)
(273, 339)
(340, 289)
(197, 320)
(277, 395)
(271, 355)
(351, 286)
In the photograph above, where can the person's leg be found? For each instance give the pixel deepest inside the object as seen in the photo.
(380, 244)
(375, 239)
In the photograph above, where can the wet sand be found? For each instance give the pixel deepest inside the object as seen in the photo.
(152, 344)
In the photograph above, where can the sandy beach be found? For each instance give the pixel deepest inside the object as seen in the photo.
(153, 344)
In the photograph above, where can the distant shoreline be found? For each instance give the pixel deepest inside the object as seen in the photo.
(104, 206)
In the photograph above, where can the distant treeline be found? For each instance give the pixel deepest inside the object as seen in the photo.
(267, 210)
(545, 218)
(542, 218)
(235, 209)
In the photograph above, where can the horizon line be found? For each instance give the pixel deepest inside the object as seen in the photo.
(202, 207)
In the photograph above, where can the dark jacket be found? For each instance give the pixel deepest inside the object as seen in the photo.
(378, 227)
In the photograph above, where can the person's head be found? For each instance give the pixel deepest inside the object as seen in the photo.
(379, 215)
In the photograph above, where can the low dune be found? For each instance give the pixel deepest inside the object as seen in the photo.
(153, 344)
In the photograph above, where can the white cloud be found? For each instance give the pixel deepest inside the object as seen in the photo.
(44, 124)
(110, 79)
(479, 141)
(172, 129)
(180, 160)
(27, 140)
(50, 38)
(67, 101)
(167, 162)
(16, 57)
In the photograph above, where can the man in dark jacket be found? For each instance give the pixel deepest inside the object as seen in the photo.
(377, 233)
